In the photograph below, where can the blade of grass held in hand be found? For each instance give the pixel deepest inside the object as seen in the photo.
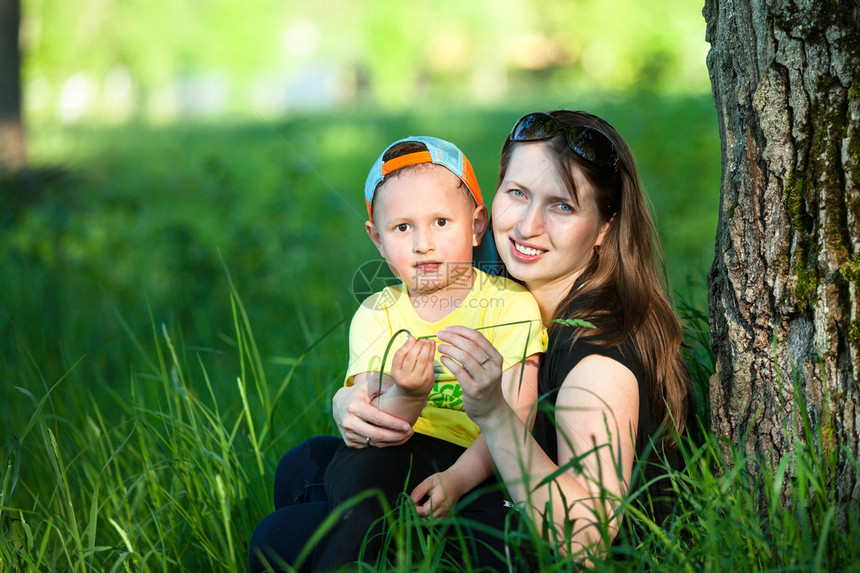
(385, 356)
(565, 321)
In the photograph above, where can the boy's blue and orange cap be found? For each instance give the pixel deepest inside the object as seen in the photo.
(439, 152)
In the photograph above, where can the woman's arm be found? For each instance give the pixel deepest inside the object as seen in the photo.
(362, 424)
(596, 415)
(438, 493)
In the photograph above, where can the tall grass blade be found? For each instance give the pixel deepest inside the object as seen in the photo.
(65, 496)
(250, 421)
(225, 520)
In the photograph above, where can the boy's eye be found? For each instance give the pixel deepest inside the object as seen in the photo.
(440, 222)
(402, 228)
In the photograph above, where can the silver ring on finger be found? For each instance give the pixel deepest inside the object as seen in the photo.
(486, 358)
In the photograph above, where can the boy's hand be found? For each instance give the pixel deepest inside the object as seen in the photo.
(437, 494)
(412, 367)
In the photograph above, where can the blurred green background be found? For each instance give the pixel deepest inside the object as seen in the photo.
(175, 141)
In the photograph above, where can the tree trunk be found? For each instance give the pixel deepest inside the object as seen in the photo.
(783, 289)
(12, 147)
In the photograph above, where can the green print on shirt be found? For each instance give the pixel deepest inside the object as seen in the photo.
(446, 392)
(446, 395)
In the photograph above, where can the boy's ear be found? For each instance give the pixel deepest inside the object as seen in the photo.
(373, 233)
(479, 224)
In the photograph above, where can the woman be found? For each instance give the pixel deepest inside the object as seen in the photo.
(570, 222)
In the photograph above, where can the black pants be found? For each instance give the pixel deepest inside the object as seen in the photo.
(301, 504)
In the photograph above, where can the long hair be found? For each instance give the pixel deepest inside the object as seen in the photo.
(624, 288)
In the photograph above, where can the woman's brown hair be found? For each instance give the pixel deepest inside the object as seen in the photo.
(624, 288)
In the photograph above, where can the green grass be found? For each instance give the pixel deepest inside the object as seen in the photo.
(178, 480)
(145, 406)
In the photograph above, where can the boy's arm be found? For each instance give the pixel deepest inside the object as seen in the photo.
(404, 392)
(437, 494)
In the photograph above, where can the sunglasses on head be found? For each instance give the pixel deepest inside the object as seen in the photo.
(587, 142)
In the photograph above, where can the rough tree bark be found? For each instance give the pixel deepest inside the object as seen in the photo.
(12, 146)
(783, 289)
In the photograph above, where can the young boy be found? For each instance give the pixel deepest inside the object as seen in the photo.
(425, 215)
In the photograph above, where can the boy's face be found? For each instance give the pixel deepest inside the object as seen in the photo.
(425, 226)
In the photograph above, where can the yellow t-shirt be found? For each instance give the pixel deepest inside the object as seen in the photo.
(491, 302)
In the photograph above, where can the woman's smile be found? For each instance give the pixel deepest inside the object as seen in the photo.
(525, 252)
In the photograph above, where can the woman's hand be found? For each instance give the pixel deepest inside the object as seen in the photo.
(362, 424)
(437, 494)
(477, 365)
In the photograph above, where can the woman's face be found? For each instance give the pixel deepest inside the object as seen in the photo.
(543, 237)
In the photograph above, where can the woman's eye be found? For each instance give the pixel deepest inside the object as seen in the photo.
(565, 208)
(517, 193)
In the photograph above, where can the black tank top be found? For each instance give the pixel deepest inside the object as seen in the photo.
(559, 360)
